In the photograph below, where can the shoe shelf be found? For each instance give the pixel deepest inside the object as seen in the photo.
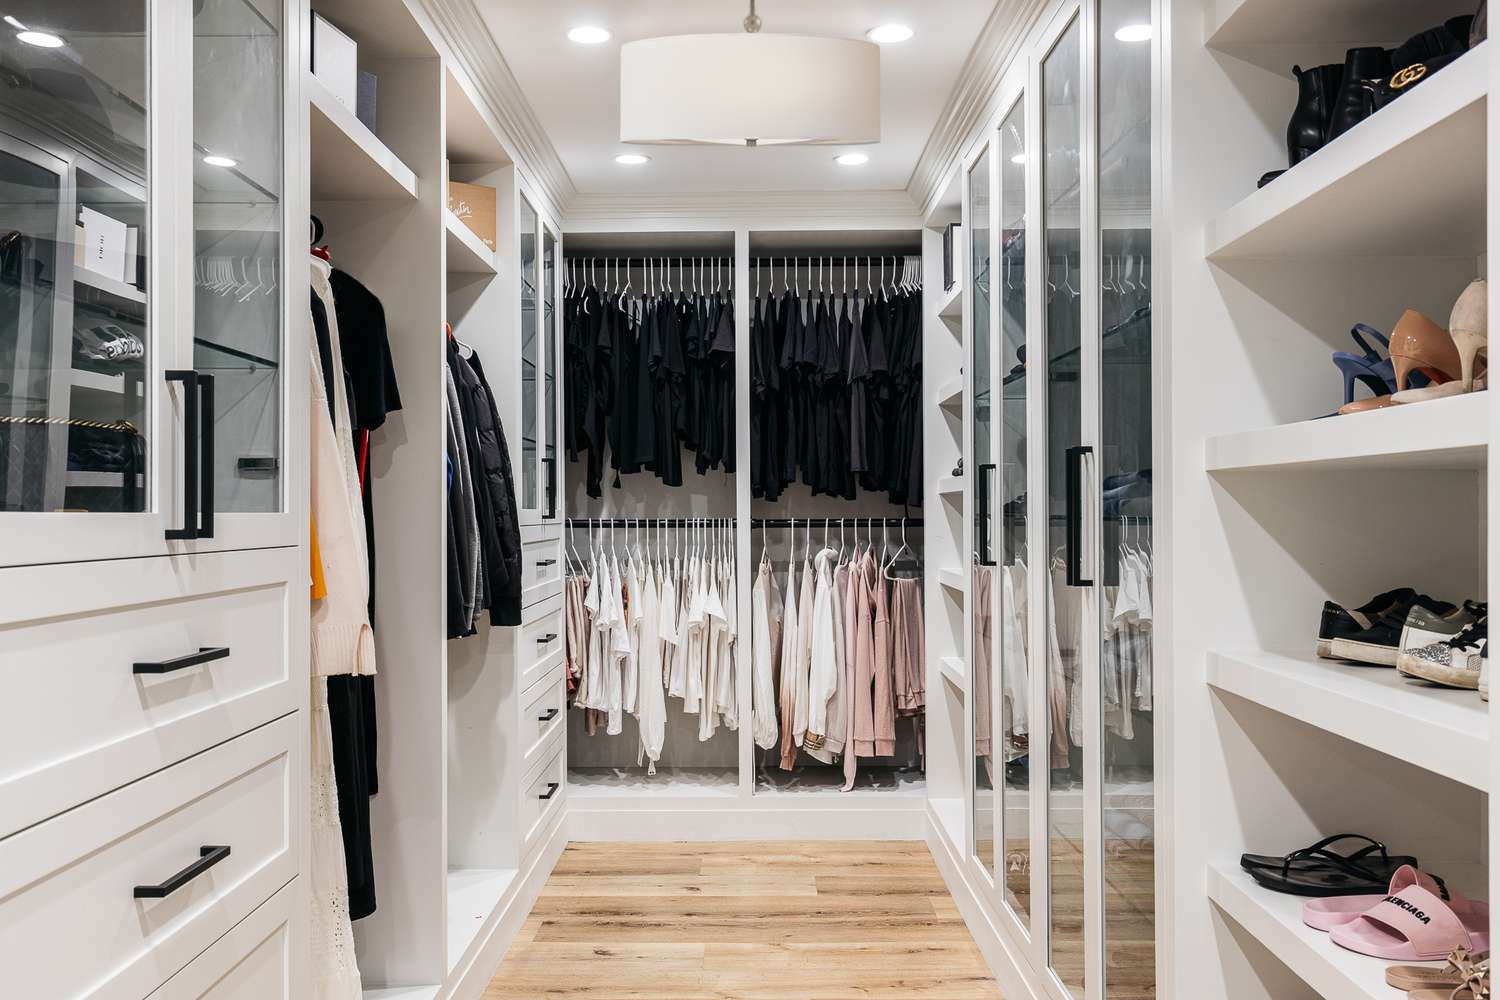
(1275, 920)
(1406, 182)
(951, 486)
(348, 162)
(951, 393)
(1440, 434)
(952, 669)
(951, 305)
(467, 253)
(1445, 730)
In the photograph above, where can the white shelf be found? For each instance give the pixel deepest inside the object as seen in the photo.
(951, 393)
(108, 285)
(953, 579)
(348, 162)
(467, 253)
(474, 894)
(114, 385)
(1337, 23)
(950, 486)
(1408, 182)
(98, 480)
(1442, 434)
(951, 305)
(1275, 920)
(400, 993)
(1441, 729)
(952, 669)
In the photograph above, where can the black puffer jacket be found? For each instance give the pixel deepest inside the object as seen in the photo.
(502, 532)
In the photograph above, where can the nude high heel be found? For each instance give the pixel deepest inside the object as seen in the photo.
(1470, 329)
(1419, 344)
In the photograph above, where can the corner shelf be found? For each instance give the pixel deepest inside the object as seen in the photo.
(1441, 729)
(951, 393)
(1275, 920)
(467, 253)
(348, 162)
(1441, 434)
(108, 285)
(1338, 25)
(1409, 182)
(951, 305)
(951, 486)
(952, 669)
(953, 579)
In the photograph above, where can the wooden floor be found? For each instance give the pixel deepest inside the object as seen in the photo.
(816, 920)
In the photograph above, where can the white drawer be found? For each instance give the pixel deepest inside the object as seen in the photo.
(541, 563)
(543, 793)
(84, 714)
(254, 961)
(74, 927)
(540, 642)
(543, 714)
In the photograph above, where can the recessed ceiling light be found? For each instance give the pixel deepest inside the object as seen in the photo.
(1134, 33)
(851, 159)
(215, 160)
(889, 34)
(588, 34)
(41, 39)
(1019, 158)
(632, 159)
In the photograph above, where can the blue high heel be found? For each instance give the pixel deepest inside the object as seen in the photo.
(1370, 368)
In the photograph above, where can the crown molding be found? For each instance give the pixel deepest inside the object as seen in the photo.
(972, 100)
(730, 209)
(460, 26)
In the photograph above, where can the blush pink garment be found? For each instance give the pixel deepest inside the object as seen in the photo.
(856, 638)
(908, 641)
(883, 667)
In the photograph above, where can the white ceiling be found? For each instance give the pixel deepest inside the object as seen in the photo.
(574, 89)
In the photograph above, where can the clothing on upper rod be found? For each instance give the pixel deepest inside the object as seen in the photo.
(836, 383)
(648, 371)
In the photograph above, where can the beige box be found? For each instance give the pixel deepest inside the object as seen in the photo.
(474, 204)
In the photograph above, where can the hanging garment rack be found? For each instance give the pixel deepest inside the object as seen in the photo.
(653, 522)
(876, 522)
(756, 523)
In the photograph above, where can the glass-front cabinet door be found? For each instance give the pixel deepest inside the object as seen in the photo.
(552, 339)
(135, 222)
(531, 362)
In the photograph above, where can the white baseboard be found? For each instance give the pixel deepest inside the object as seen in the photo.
(618, 819)
(468, 980)
(1002, 956)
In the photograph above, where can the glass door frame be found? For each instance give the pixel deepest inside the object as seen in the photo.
(283, 526)
(553, 499)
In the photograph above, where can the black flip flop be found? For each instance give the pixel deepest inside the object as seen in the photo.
(1319, 871)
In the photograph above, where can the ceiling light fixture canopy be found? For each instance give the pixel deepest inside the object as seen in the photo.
(750, 89)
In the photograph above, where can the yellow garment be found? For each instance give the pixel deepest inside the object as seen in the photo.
(319, 585)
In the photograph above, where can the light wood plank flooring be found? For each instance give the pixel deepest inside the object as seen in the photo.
(815, 920)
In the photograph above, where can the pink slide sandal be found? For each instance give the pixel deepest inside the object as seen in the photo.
(1333, 911)
(1416, 925)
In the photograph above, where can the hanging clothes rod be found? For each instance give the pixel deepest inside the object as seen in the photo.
(756, 523)
(655, 522)
(877, 522)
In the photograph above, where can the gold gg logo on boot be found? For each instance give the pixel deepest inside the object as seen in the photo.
(1408, 76)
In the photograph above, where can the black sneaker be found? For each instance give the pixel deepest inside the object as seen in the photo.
(1339, 622)
(1380, 643)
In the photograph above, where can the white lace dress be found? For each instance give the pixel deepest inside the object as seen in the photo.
(335, 970)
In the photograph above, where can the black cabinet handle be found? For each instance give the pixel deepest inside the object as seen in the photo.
(549, 637)
(205, 654)
(1073, 539)
(544, 563)
(983, 506)
(551, 464)
(552, 713)
(210, 857)
(552, 788)
(198, 457)
(190, 477)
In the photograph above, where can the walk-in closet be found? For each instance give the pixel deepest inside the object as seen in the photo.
(745, 499)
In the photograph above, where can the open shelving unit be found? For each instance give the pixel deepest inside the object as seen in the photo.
(348, 162)
(1290, 511)
(467, 253)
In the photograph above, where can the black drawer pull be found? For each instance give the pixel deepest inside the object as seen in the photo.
(211, 856)
(205, 654)
(544, 563)
(549, 637)
(552, 713)
(552, 788)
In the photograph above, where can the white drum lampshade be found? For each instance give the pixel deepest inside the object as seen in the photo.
(750, 89)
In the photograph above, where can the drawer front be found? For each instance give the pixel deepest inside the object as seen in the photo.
(543, 714)
(541, 564)
(254, 961)
(70, 889)
(177, 659)
(544, 793)
(540, 643)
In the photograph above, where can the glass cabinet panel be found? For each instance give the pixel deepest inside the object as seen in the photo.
(1010, 421)
(237, 227)
(550, 322)
(530, 360)
(1125, 634)
(978, 220)
(75, 344)
(1067, 742)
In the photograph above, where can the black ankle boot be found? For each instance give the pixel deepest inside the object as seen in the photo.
(1317, 89)
(1355, 102)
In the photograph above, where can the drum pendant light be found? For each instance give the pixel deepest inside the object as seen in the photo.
(750, 89)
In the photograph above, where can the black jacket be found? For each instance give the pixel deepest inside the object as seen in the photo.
(493, 475)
